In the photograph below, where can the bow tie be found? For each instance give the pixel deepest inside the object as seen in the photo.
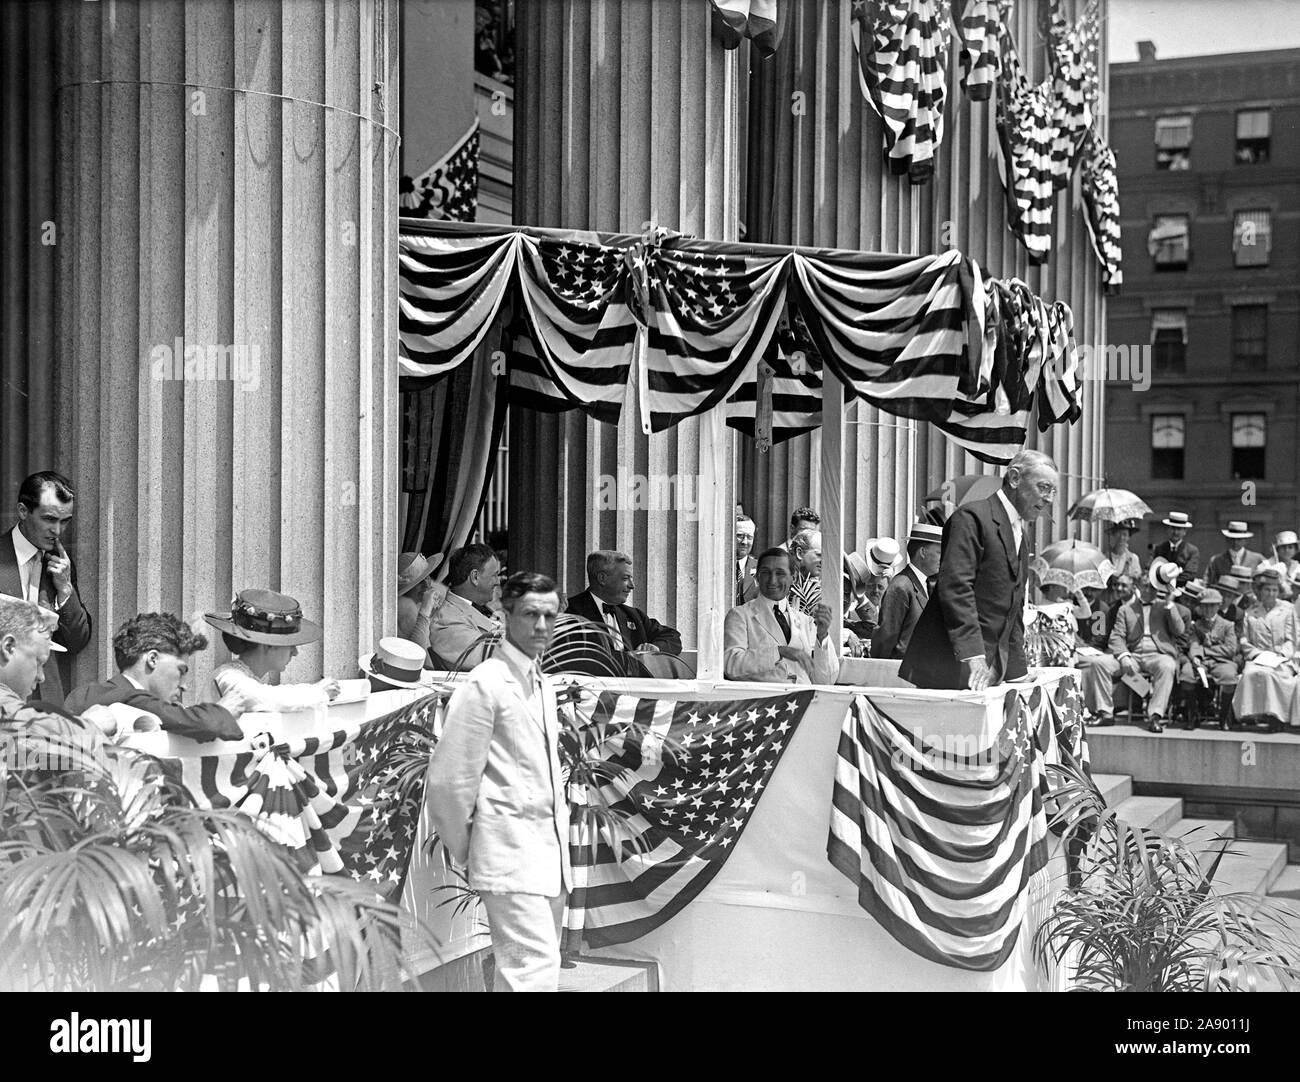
(607, 608)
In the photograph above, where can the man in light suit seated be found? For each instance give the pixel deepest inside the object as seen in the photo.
(769, 640)
(1150, 636)
(496, 795)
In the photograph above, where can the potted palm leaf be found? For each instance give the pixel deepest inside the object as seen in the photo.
(112, 879)
(1141, 912)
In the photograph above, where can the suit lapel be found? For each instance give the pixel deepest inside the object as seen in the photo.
(10, 579)
(1005, 532)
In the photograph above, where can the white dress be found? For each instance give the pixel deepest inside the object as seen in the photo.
(1265, 690)
(260, 695)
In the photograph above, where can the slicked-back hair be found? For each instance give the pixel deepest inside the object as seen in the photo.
(525, 582)
(29, 492)
(464, 560)
(605, 560)
(159, 631)
(773, 553)
(800, 541)
(23, 619)
(913, 547)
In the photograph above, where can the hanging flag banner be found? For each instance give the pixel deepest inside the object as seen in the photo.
(449, 190)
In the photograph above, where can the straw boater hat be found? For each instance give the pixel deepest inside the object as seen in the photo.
(1241, 571)
(266, 617)
(413, 568)
(1193, 591)
(1178, 518)
(1237, 531)
(1211, 596)
(1286, 537)
(1265, 576)
(884, 556)
(398, 662)
(1229, 586)
(1163, 575)
(926, 534)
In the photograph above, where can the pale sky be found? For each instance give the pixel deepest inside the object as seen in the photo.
(1201, 27)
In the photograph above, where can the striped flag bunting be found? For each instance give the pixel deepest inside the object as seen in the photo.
(758, 20)
(902, 50)
(347, 802)
(684, 778)
(1101, 202)
(945, 843)
(981, 52)
(449, 190)
(673, 327)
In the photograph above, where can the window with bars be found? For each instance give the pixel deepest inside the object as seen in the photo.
(1253, 131)
(1249, 437)
(1169, 242)
(1169, 340)
(1252, 237)
(1173, 142)
(1168, 438)
(1250, 337)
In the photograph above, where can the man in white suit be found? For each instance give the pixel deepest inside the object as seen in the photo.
(770, 640)
(496, 798)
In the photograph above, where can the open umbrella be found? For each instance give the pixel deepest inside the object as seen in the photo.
(1074, 564)
(966, 488)
(1109, 505)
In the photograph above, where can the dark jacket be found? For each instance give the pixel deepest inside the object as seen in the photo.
(73, 632)
(977, 605)
(1187, 556)
(203, 721)
(747, 584)
(900, 609)
(634, 625)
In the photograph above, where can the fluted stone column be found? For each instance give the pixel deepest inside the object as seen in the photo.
(626, 114)
(817, 178)
(227, 316)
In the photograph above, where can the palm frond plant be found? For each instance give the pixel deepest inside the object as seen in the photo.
(1141, 913)
(111, 878)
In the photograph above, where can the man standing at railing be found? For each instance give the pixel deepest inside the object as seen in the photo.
(971, 634)
(496, 797)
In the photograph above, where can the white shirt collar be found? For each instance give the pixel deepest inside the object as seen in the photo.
(519, 662)
(133, 681)
(783, 604)
(1012, 513)
(23, 548)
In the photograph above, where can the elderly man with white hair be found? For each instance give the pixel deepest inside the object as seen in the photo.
(972, 631)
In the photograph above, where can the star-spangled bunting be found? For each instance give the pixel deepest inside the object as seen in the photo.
(686, 777)
(449, 190)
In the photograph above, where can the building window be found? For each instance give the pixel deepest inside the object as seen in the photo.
(1173, 142)
(1169, 340)
(1250, 337)
(1252, 136)
(1252, 237)
(1249, 435)
(1168, 431)
(1168, 242)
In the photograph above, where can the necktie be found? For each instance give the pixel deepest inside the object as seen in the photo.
(485, 611)
(612, 622)
(34, 579)
(783, 621)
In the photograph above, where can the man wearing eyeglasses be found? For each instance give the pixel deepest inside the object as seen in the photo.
(971, 633)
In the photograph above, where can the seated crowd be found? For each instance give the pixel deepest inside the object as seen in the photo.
(1210, 649)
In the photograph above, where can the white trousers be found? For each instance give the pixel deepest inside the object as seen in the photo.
(525, 940)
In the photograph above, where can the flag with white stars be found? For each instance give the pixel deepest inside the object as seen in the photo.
(448, 190)
(943, 837)
(682, 779)
(344, 802)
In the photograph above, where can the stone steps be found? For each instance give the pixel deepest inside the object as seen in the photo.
(610, 975)
(1114, 787)
(1156, 813)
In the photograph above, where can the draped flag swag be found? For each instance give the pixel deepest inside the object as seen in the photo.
(449, 189)
(943, 850)
(679, 326)
(946, 850)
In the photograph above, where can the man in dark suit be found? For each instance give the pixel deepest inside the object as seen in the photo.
(745, 564)
(1237, 554)
(152, 651)
(609, 584)
(1177, 548)
(908, 591)
(972, 632)
(34, 566)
